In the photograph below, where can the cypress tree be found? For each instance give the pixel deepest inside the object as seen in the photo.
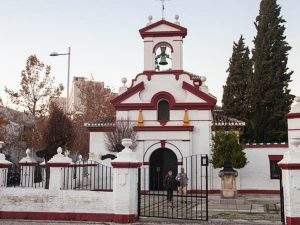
(234, 100)
(270, 95)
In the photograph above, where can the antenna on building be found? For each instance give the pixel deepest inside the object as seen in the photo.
(163, 8)
(92, 77)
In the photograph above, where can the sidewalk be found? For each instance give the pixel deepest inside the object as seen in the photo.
(144, 222)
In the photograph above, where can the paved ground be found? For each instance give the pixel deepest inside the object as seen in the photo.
(147, 222)
(245, 207)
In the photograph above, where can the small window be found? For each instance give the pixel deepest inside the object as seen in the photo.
(163, 110)
(274, 168)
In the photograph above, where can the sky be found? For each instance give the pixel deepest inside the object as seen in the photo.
(105, 43)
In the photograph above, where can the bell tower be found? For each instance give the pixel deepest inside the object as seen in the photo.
(163, 45)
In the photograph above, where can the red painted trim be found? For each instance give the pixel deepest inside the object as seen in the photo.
(163, 34)
(292, 220)
(144, 31)
(58, 164)
(176, 106)
(5, 165)
(289, 166)
(275, 157)
(72, 216)
(250, 191)
(104, 190)
(83, 165)
(239, 191)
(125, 165)
(172, 103)
(266, 146)
(154, 72)
(118, 218)
(101, 129)
(130, 91)
(163, 95)
(150, 73)
(28, 164)
(178, 163)
(164, 128)
(293, 116)
(194, 90)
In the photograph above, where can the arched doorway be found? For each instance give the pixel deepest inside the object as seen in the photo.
(161, 161)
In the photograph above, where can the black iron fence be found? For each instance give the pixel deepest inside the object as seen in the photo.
(82, 175)
(87, 176)
(25, 176)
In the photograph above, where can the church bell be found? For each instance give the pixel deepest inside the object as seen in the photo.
(163, 56)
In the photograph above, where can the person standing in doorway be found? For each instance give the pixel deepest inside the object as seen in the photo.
(182, 181)
(169, 185)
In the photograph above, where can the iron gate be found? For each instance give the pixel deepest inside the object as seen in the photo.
(183, 200)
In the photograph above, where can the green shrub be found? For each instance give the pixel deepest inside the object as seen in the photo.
(226, 147)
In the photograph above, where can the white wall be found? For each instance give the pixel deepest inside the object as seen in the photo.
(256, 174)
(43, 200)
(97, 143)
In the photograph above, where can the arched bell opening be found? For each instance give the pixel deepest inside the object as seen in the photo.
(161, 162)
(163, 56)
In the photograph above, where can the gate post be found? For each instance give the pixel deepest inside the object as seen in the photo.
(57, 164)
(28, 165)
(290, 166)
(4, 165)
(125, 184)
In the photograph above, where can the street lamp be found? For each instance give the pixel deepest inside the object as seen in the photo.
(1, 145)
(68, 78)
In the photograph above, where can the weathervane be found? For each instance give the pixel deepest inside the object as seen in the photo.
(163, 8)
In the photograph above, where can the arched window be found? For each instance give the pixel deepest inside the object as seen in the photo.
(163, 110)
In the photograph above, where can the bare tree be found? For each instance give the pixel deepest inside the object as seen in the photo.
(94, 104)
(95, 100)
(36, 88)
(123, 129)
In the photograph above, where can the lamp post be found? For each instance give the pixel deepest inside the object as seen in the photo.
(68, 78)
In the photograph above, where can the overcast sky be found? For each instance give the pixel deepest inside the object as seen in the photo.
(105, 41)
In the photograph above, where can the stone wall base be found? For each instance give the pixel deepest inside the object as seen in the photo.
(68, 216)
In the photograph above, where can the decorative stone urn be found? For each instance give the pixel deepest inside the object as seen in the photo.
(228, 182)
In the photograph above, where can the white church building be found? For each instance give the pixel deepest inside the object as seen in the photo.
(175, 115)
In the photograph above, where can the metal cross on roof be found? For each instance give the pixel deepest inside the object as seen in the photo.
(163, 8)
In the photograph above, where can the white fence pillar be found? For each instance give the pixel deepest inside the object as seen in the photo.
(294, 120)
(4, 165)
(57, 164)
(28, 165)
(125, 185)
(290, 166)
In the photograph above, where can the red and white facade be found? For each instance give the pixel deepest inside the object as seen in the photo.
(188, 130)
(192, 119)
